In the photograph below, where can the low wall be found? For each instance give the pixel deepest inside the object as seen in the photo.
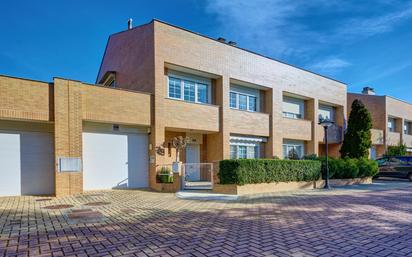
(250, 189)
(171, 187)
(350, 181)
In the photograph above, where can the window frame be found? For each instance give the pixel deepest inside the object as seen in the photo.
(297, 101)
(292, 145)
(236, 146)
(190, 79)
(248, 96)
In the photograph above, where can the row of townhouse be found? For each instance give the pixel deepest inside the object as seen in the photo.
(156, 82)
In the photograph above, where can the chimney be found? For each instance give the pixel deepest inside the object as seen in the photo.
(232, 43)
(368, 91)
(130, 23)
(221, 39)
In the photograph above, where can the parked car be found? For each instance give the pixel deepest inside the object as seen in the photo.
(395, 166)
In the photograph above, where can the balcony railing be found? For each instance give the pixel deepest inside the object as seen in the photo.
(297, 129)
(249, 123)
(335, 134)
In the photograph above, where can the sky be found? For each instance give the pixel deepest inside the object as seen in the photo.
(361, 43)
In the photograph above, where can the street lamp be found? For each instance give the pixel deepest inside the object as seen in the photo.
(326, 123)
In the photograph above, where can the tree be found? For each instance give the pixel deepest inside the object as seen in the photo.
(357, 141)
(179, 143)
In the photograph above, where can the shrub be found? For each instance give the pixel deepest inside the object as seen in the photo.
(165, 175)
(399, 150)
(253, 171)
(312, 157)
(352, 168)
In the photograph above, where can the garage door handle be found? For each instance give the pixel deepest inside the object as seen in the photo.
(127, 163)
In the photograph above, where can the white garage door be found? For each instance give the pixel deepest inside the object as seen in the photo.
(115, 160)
(26, 163)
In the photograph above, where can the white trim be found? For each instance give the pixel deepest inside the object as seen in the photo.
(191, 78)
(249, 139)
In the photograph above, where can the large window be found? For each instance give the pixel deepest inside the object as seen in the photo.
(243, 101)
(326, 112)
(188, 90)
(391, 125)
(239, 151)
(293, 149)
(245, 147)
(407, 128)
(293, 108)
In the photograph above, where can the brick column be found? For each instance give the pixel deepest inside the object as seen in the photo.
(311, 113)
(67, 133)
(218, 144)
(276, 122)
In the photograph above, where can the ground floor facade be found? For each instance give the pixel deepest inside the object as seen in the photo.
(369, 220)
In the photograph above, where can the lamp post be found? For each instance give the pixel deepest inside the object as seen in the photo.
(326, 123)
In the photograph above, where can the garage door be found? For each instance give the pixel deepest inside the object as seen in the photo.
(26, 163)
(115, 160)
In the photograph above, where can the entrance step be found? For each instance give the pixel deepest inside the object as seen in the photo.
(206, 195)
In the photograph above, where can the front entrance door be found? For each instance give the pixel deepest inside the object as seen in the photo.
(192, 168)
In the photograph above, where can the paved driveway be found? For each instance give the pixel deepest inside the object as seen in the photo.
(361, 221)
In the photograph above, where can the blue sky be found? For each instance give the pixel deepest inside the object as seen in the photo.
(358, 42)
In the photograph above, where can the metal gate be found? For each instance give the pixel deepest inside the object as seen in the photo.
(197, 176)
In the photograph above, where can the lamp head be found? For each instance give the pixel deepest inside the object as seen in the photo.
(326, 123)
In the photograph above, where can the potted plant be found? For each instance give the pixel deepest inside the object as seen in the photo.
(165, 175)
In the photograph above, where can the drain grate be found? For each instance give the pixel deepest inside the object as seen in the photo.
(58, 206)
(97, 203)
(43, 200)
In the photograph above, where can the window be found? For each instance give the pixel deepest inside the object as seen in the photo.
(252, 103)
(202, 93)
(233, 100)
(326, 113)
(406, 128)
(174, 88)
(245, 147)
(242, 151)
(233, 152)
(188, 90)
(293, 149)
(243, 102)
(293, 108)
(391, 125)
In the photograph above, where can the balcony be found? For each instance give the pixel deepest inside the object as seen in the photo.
(377, 137)
(393, 138)
(186, 115)
(407, 140)
(297, 129)
(249, 123)
(334, 134)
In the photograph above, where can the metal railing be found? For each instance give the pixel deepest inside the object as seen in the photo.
(197, 175)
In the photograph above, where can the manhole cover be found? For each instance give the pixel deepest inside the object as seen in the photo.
(43, 200)
(58, 206)
(97, 203)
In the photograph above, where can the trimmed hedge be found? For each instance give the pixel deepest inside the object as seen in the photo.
(254, 171)
(352, 168)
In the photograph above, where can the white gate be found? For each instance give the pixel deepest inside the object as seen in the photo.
(197, 175)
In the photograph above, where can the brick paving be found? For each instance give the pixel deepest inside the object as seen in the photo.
(142, 223)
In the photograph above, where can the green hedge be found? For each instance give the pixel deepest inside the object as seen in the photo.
(352, 168)
(253, 171)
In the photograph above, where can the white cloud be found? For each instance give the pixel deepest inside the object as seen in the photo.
(283, 28)
(329, 65)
